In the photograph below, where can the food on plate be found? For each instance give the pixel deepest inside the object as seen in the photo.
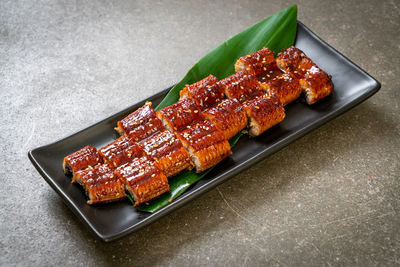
(285, 87)
(81, 159)
(168, 152)
(263, 112)
(206, 92)
(180, 115)
(228, 116)
(194, 132)
(143, 179)
(242, 85)
(258, 61)
(207, 145)
(120, 151)
(140, 124)
(100, 184)
(315, 82)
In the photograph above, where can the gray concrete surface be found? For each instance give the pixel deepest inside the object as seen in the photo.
(329, 199)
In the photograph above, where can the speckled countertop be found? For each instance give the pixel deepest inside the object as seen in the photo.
(330, 198)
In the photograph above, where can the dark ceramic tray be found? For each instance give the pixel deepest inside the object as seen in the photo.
(114, 220)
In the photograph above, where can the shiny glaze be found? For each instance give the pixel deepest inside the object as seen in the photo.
(290, 58)
(269, 72)
(100, 184)
(257, 61)
(140, 124)
(120, 151)
(263, 112)
(168, 152)
(316, 84)
(206, 92)
(228, 116)
(81, 159)
(180, 115)
(285, 87)
(205, 143)
(242, 85)
(143, 179)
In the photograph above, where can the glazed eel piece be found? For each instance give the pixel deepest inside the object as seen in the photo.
(206, 92)
(140, 124)
(81, 159)
(205, 144)
(100, 184)
(142, 179)
(315, 83)
(168, 152)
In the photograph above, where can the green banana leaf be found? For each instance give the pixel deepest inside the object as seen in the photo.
(275, 32)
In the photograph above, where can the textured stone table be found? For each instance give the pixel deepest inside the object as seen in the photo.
(331, 198)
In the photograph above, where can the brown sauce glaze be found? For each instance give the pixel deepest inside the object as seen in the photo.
(285, 87)
(206, 93)
(140, 124)
(180, 115)
(100, 184)
(81, 159)
(120, 151)
(242, 85)
(228, 116)
(143, 179)
(168, 152)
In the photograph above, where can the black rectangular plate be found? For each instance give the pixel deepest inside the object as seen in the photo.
(114, 220)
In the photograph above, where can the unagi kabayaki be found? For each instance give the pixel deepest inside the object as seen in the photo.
(100, 184)
(263, 113)
(242, 85)
(207, 145)
(120, 151)
(195, 131)
(228, 116)
(285, 87)
(140, 124)
(81, 159)
(315, 82)
(168, 152)
(206, 92)
(258, 62)
(143, 179)
(180, 115)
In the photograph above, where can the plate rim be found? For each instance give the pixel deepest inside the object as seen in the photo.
(190, 195)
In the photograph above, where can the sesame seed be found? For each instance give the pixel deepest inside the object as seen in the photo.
(153, 175)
